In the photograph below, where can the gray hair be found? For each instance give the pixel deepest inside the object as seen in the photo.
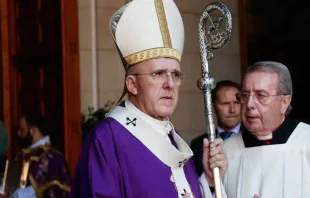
(285, 82)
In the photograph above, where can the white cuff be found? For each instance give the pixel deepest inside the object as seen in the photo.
(205, 189)
(204, 186)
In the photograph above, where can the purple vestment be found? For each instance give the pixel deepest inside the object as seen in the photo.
(115, 164)
(48, 172)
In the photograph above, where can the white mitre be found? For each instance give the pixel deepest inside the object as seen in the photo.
(146, 29)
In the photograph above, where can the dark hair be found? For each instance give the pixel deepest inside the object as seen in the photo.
(221, 84)
(36, 120)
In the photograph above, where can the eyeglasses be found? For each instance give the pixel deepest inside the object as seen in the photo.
(161, 76)
(263, 98)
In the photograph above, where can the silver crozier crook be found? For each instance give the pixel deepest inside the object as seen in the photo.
(212, 35)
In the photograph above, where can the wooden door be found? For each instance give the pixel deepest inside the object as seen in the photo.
(71, 81)
(41, 69)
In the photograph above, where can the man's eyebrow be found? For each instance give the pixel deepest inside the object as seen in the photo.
(255, 90)
(165, 70)
(159, 70)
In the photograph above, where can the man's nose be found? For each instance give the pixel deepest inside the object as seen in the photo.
(232, 107)
(169, 81)
(250, 102)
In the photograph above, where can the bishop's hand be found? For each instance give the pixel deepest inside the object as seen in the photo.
(213, 156)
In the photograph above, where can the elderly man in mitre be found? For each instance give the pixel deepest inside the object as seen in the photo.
(136, 152)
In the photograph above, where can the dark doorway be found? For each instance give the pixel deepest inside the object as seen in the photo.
(40, 69)
(278, 30)
(38, 63)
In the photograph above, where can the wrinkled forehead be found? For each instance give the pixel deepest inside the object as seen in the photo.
(168, 64)
(261, 81)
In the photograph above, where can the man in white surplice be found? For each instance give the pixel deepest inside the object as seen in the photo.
(271, 157)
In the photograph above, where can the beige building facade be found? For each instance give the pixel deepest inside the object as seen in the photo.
(102, 74)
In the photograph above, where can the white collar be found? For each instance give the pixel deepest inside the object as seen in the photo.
(41, 142)
(162, 126)
(270, 136)
(265, 137)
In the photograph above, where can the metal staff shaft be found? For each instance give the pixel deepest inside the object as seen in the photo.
(4, 177)
(216, 39)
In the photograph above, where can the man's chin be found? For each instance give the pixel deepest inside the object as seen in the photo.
(253, 128)
(231, 125)
(165, 112)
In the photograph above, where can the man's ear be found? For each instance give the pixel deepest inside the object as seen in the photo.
(131, 84)
(285, 103)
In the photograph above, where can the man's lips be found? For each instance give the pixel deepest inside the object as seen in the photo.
(251, 117)
(167, 97)
(232, 117)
